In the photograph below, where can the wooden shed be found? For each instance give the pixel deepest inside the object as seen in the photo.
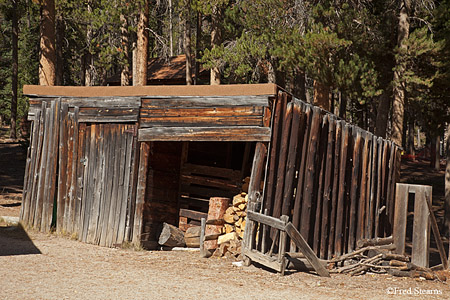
(110, 164)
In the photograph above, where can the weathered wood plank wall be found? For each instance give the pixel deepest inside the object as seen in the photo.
(334, 180)
(80, 170)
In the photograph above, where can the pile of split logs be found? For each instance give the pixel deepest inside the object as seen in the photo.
(376, 256)
(229, 243)
(223, 230)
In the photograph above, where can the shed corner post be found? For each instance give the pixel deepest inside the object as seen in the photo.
(140, 193)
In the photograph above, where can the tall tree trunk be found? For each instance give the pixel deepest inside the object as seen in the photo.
(125, 73)
(134, 58)
(398, 106)
(446, 229)
(382, 115)
(47, 62)
(299, 85)
(170, 28)
(187, 42)
(435, 153)
(89, 58)
(419, 142)
(216, 39)
(411, 149)
(342, 106)
(197, 47)
(15, 67)
(59, 49)
(142, 44)
(322, 95)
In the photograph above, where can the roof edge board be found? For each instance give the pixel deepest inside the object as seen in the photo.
(149, 91)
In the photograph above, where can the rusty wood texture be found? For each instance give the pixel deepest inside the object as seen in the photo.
(140, 193)
(334, 181)
(360, 228)
(283, 154)
(310, 169)
(64, 152)
(292, 160)
(353, 191)
(319, 186)
(304, 134)
(213, 133)
(276, 128)
(327, 188)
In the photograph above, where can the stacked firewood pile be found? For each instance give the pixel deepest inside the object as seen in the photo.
(229, 243)
(376, 256)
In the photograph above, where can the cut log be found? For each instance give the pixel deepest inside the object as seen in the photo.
(228, 228)
(192, 242)
(238, 200)
(217, 208)
(242, 206)
(192, 237)
(226, 238)
(171, 236)
(193, 232)
(374, 242)
(228, 218)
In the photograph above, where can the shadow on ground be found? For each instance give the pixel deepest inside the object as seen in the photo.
(15, 241)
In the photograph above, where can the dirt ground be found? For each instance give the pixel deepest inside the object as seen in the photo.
(40, 266)
(12, 169)
(45, 266)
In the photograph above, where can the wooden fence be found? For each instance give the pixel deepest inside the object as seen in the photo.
(334, 180)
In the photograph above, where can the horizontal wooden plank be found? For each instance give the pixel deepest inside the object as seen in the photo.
(201, 121)
(225, 111)
(210, 182)
(107, 119)
(95, 114)
(188, 169)
(192, 214)
(104, 102)
(271, 221)
(172, 90)
(95, 101)
(206, 101)
(207, 192)
(241, 133)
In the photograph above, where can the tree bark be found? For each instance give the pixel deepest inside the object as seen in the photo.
(342, 106)
(382, 115)
(15, 67)
(171, 236)
(59, 49)
(170, 28)
(446, 229)
(216, 39)
(398, 107)
(197, 47)
(435, 155)
(411, 149)
(125, 73)
(142, 45)
(187, 42)
(322, 95)
(47, 62)
(299, 85)
(89, 59)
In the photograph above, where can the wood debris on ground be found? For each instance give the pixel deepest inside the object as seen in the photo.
(377, 256)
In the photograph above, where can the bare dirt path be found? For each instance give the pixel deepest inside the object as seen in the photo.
(12, 170)
(40, 266)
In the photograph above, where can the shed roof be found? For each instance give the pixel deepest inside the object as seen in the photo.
(163, 71)
(172, 90)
